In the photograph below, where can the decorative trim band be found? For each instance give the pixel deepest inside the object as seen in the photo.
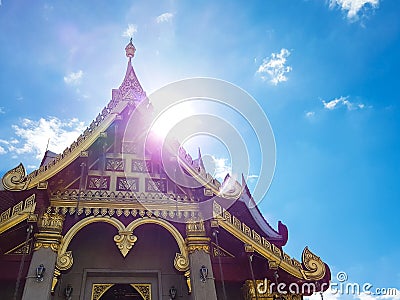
(314, 266)
(18, 213)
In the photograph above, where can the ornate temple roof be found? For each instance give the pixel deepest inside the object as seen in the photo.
(131, 92)
(240, 216)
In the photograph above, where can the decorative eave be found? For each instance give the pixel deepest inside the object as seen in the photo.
(311, 268)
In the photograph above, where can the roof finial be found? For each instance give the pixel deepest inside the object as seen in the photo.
(130, 49)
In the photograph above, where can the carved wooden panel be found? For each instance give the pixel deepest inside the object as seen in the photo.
(115, 164)
(142, 166)
(98, 182)
(127, 184)
(129, 147)
(156, 185)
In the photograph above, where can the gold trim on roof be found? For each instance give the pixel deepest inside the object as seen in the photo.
(158, 210)
(314, 266)
(17, 180)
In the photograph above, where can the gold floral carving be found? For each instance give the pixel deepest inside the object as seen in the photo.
(314, 267)
(198, 244)
(195, 228)
(49, 236)
(99, 289)
(65, 261)
(125, 241)
(15, 179)
(47, 240)
(144, 289)
(181, 262)
(51, 222)
(193, 248)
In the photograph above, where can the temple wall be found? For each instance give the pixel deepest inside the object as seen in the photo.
(98, 260)
(233, 290)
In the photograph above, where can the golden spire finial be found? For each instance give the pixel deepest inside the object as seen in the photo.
(130, 49)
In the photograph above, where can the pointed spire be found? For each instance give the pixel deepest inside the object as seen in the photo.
(130, 88)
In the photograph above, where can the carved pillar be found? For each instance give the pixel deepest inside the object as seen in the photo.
(45, 253)
(201, 273)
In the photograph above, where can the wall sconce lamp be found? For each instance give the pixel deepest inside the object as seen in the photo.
(40, 273)
(203, 273)
(68, 292)
(172, 292)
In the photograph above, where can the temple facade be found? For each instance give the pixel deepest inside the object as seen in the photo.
(105, 220)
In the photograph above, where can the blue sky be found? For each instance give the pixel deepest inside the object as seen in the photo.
(324, 72)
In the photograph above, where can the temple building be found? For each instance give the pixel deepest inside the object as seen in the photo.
(105, 220)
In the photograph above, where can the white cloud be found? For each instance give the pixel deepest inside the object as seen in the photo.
(340, 102)
(353, 7)
(34, 135)
(73, 78)
(221, 168)
(391, 294)
(130, 31)
(328, 295)
(310, 114)
(2, 150)
(274, 67)
(165, 17)
(2, 111)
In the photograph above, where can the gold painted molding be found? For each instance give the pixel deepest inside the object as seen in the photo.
(314, 266)
(18, 213)
(98, 289)
(181, 261)
(134, 208)
(65, 258)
